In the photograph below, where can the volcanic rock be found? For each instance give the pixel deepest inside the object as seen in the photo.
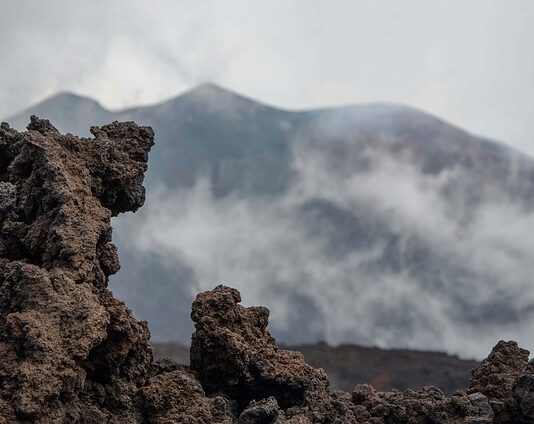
(70, 351)
(497, 378)
(233, 353)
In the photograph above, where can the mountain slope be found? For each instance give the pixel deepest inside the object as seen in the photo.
(68, 111)
(418, 228)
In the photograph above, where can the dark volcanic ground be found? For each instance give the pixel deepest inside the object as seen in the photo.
(349, 365)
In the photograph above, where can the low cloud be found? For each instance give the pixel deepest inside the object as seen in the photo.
(433, 274)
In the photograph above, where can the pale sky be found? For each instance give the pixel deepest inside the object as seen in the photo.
(470, 62)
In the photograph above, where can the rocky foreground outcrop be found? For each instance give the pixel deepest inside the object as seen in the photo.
(71, 352)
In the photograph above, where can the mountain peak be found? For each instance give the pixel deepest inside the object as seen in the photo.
(68, 111)
(210, 94)
(210, 87)
(210, 91)
(69, 98)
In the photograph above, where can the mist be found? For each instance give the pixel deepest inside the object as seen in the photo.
(367, 248)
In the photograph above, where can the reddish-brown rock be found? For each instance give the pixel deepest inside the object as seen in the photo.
(233, 353)
(70, 351)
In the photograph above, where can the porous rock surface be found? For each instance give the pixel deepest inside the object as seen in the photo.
(72, 353)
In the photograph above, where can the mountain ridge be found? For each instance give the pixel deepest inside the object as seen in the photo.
(215, 90)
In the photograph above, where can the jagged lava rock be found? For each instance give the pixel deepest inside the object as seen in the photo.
(233, 352)
(234, 355)
(504, 379)
(70, 351)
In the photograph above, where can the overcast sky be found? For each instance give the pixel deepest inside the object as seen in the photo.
(470, 62)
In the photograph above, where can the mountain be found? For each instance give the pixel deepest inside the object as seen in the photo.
(419, 229)
(67, 109)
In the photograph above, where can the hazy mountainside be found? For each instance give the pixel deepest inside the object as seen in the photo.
(72, 352)
(416, 228)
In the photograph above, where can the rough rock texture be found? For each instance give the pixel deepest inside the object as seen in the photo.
(503, 377)
(72, 353)
(233, 352)
(235, 355)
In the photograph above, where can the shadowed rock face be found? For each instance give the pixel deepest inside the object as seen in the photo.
(503, 378)
(232, 352)
(73, 353)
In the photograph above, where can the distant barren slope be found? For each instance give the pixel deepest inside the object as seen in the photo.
(348, 365)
